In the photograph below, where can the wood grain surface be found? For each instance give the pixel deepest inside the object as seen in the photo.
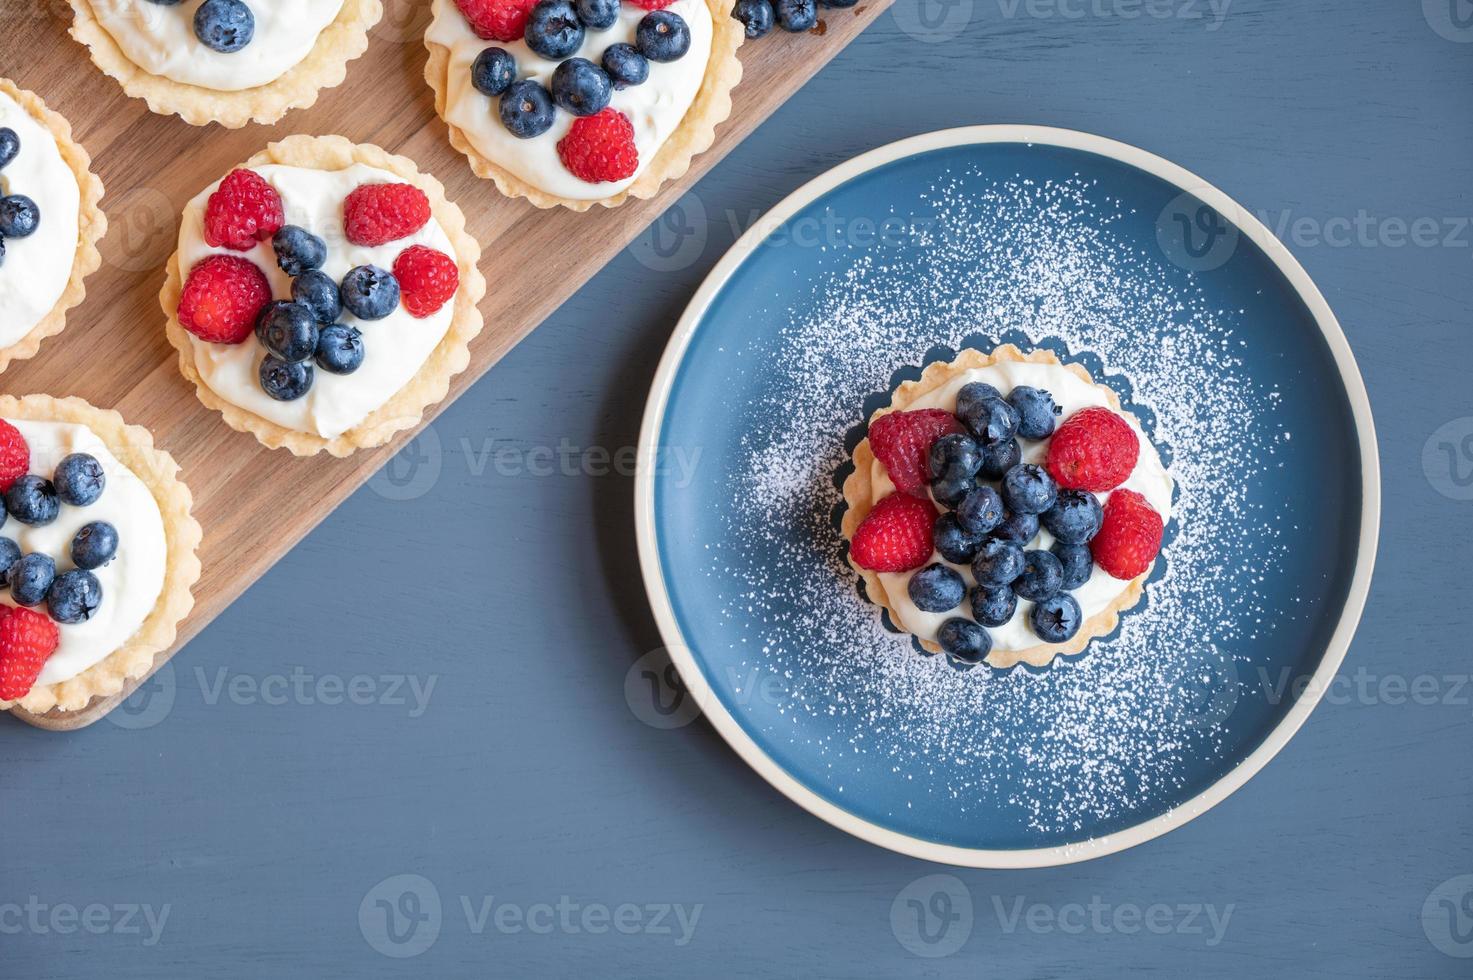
(114, 354)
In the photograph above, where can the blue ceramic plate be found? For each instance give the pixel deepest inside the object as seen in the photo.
(1162, 288)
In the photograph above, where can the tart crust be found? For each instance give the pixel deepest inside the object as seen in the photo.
(324, 67)
(694, 135)
(859, 500)
(91, 224)
(406, 407)
(133, 446)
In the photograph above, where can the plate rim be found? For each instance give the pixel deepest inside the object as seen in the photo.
(694, 678)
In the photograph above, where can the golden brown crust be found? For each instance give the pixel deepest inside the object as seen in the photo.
(91, 225)
(694, 135)
(133, 446)
(404, 408)
(325, 67)
(859, 500)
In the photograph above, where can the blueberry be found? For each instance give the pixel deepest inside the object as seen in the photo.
(662, 36)
(74, 596)
(955, 544)
(1074, 518)
(285, 380)
(580, 88)
(1043, 576)
(991, 420)
(1000, 457)
(370, 293)
(94, 545)
(224, 25)
(756, 16)
(19, 216)
(795, 16)
(289, 331)
(625, 65)
(1028, 489)
(298, 250)
(2, 249)
(79, 479)
(980, 511)
(937, 589)
(527, 109)
(597, 14)
(316, 291)
(339, 349)
(994, 606)
(1077, 562)
(553, 29)
(837, 3)
(1020, 528)
(30, 577)
(969, 400)
(9, 146)
(964, 640)
(32, 500)
(9, 555)
(954, 455)
(1036, 411)
(264, 317)
(998, 563)
(950, 491)
(1056, 619)
(493, 71)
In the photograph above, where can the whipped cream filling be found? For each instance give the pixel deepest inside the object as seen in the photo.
(394, 348)
(36, 268)
(1071, 393)
(655, 107)
(131, 582)
(160, 39)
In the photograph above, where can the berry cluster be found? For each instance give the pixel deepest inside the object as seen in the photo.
(971, 464)
(71, 596)
(221, 25)
(19, 215)
(794, 16)
(227, 298)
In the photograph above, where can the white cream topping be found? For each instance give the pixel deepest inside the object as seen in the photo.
(654, 107)
(1071, 393)
(160, 39)
(131, 582)
(36, 268)
(394, 348)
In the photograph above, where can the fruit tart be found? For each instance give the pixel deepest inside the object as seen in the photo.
(323, 295)
(582, 102)
(97, 552)
(1005, 507)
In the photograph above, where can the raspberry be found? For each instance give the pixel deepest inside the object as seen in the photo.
(497, 20)
(600, 147)
(243, 210)
(27, 638)
(376, 214)
(222, 298)
(1094, 449)
(652, 4)
(15, 455)
(902, 442)
(896, 536)
(1129, 537)
(427, 279)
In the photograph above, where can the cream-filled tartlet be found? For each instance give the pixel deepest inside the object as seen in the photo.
(573, 104)
(1005, 507)
(225, 61)
(322, 295)
(50, 222)
(97, 552)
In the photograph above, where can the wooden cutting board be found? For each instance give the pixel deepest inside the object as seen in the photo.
(113, 352)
